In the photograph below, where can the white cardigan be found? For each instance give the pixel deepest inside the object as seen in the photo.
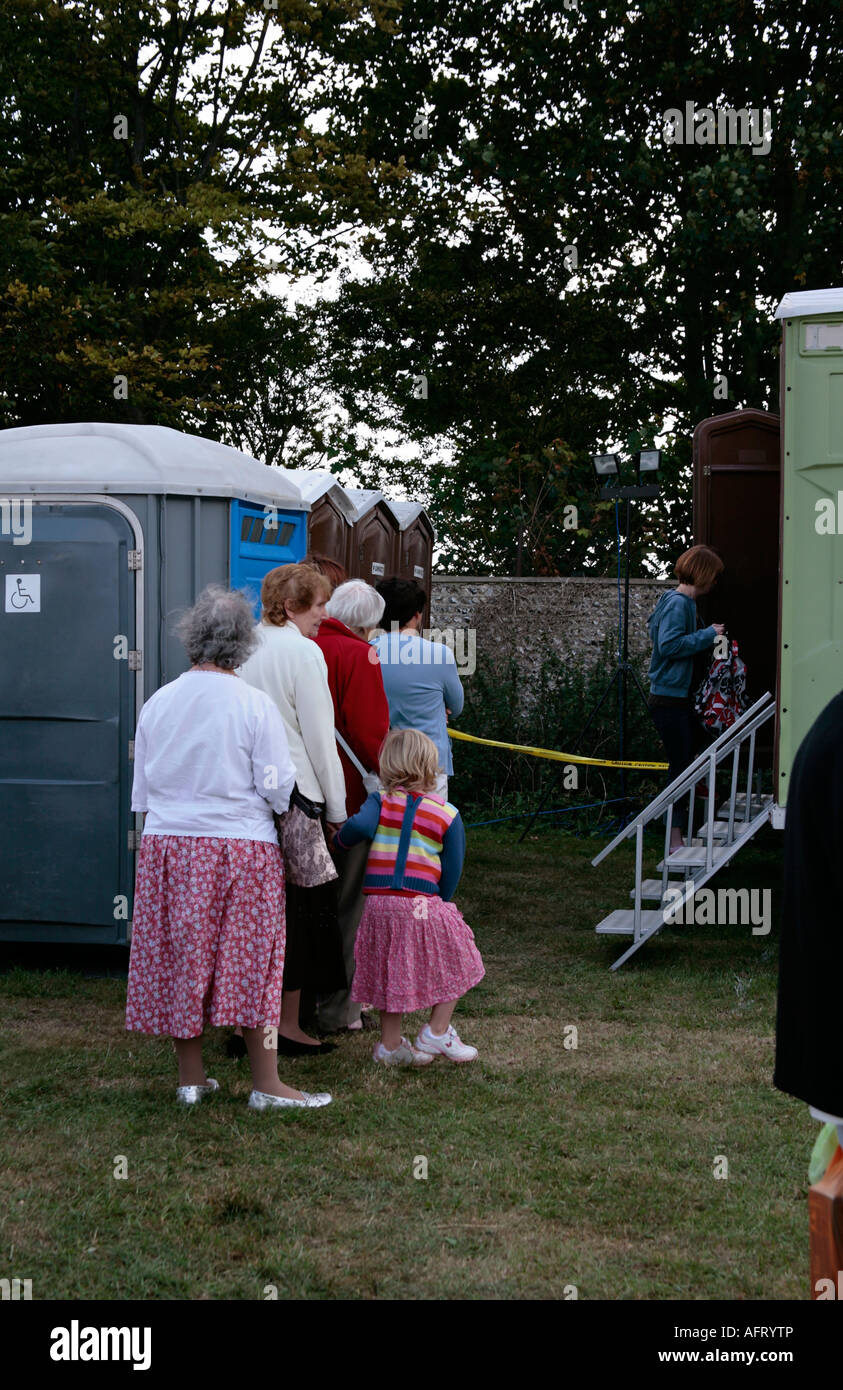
(293, 672)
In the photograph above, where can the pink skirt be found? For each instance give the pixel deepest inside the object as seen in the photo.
(207, 935)
(411, 953)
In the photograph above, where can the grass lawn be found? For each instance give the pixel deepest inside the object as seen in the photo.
(548, 1166)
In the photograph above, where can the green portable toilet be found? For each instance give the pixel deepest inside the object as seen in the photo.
(811, 575)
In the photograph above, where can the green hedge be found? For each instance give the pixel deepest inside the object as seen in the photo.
(491, 782)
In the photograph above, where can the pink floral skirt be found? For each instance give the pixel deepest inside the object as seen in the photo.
(412, 953)
(207, 935)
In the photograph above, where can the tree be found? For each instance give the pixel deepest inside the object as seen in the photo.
(556, 270)
(159, 160)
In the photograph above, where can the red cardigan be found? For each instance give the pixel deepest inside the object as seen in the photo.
(361, 710)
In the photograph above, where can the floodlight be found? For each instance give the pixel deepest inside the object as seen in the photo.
(606, 465)
(648, 461)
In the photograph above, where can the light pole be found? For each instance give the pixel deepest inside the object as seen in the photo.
(647, 463)
(607, 468)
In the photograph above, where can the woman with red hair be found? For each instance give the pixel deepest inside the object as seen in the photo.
(291, 669)
(677, 639)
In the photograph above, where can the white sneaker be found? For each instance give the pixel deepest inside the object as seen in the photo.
(404, 1055)
(448, 1045)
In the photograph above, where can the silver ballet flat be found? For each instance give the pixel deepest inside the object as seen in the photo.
(261, 1100)
(191, 1095)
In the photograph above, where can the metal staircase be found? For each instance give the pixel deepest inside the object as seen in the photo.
(719, 840)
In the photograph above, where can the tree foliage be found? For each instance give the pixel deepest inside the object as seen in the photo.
(545, 132)
(159, 160)
(522, 271)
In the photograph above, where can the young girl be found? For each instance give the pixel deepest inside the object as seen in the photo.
(413, 949)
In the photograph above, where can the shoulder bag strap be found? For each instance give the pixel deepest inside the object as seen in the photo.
(352, 757)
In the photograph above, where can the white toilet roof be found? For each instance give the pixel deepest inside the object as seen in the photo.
(405, 513)
(313, 483)
(114, 458)
(363, 499)
(799, 303)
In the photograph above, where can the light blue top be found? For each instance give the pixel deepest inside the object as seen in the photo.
(420, 679)
(676, 641)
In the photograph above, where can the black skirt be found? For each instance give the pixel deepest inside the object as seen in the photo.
(313, 957)
(809, 1057)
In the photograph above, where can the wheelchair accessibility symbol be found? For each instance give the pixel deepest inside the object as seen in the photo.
(23, 593)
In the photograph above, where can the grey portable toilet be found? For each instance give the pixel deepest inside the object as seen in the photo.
(106, 532)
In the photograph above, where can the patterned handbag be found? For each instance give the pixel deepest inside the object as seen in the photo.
(307, 863)
(721, 698)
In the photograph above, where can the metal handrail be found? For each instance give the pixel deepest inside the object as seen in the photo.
(713, 757)
(729, 739)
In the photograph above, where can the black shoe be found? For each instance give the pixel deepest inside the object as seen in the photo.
(368, 1022)
(235, 1046)
(287, 1047)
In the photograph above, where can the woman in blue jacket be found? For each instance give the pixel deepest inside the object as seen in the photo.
(677, 638)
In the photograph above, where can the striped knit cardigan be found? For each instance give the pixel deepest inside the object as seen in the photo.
(418, 843)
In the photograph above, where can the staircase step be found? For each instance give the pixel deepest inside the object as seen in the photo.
(693, 856)
(652, 888)
(755, 808)
(621, 922)
(719, 832)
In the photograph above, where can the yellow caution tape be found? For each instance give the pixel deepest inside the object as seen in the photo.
(551, 753)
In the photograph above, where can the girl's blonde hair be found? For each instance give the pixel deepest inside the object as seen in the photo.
(410, 759)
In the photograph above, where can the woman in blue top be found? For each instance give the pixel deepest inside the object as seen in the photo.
(677, 638)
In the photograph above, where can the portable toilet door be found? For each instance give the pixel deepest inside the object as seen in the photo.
(374, 537)
(70, 690)
(737, 487)
(811, 590)
(262, 538)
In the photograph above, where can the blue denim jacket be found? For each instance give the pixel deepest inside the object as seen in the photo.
(673, 628)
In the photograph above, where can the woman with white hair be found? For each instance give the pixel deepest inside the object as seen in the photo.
(361, 716)
(212, 764)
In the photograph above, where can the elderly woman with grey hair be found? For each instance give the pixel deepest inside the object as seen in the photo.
(361, 720)
(212, 764)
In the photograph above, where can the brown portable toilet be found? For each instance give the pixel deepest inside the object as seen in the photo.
(330, 521)
(374, 536)
(414, 546)
(737, 477)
